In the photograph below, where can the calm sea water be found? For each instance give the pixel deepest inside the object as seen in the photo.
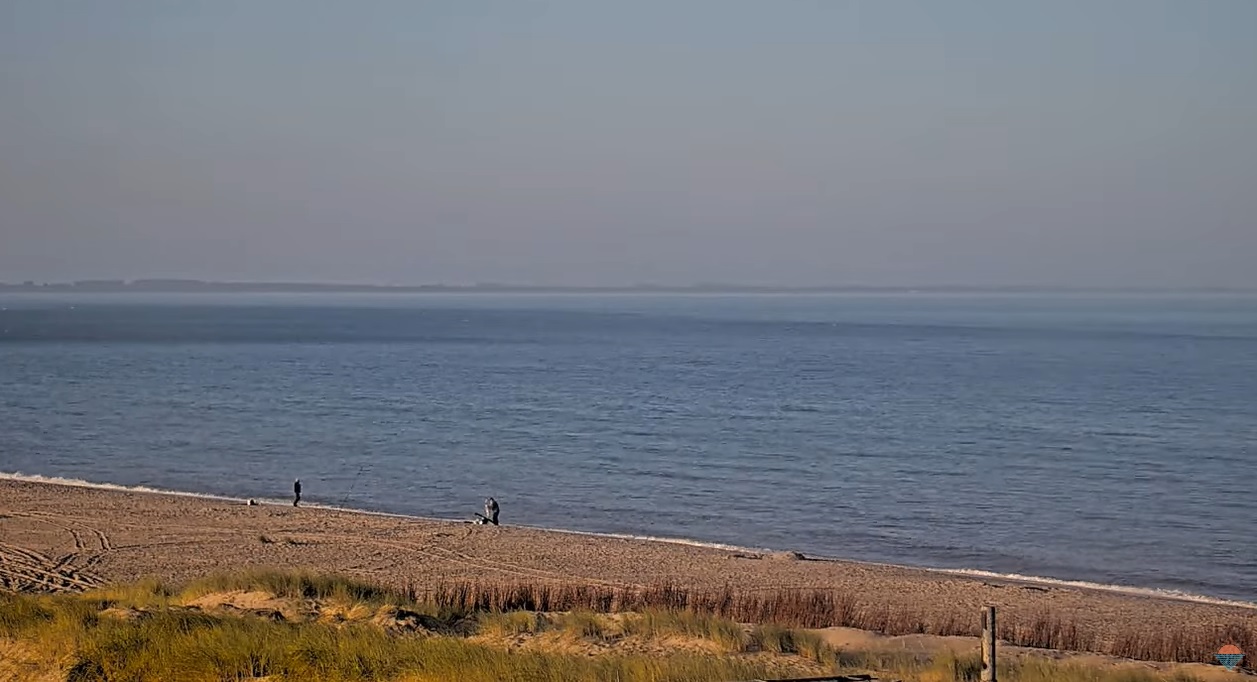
(1108, 439)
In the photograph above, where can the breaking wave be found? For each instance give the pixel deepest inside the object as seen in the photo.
(1177, 595)
(80, 483)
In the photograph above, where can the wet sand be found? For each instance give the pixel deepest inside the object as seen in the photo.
(57, 537)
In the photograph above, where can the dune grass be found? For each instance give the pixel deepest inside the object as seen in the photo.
(153, 631)
(809, 609)
(178, 647)
(147, 632)
(658, 623)
(968, 668)
(297, 585)
(510, 624)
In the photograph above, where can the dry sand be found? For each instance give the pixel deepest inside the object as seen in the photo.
(55, 537)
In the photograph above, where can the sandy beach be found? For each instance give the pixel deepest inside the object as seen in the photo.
(57, 537)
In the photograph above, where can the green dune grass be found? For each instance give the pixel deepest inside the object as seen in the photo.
(301, 626)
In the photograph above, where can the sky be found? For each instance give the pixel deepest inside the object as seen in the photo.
(780, 142)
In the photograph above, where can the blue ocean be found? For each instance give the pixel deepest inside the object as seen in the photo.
(1101, 438)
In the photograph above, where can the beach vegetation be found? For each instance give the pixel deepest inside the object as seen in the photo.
(657, 623)
(510, 624)
(583, 624)
(279, 625)
(815, 609)
(294, 585)
(300, 626)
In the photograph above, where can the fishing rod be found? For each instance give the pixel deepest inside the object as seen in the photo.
(354, 484)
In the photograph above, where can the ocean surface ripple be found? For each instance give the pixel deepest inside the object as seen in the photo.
(1081, 438)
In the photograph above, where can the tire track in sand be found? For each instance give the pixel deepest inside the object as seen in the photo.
(453, 556)
(81, 576)
(25, 570)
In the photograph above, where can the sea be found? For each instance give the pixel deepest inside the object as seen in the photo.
(1093, 438)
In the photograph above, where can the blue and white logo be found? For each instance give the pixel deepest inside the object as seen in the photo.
(1230, 657)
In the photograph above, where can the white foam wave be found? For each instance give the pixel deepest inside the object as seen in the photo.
(1176, 595)
(654, 538)
(966, 572)
(80, 483)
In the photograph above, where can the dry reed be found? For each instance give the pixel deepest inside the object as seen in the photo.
(799, 608)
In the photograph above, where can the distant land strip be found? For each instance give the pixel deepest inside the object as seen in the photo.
(203, 286)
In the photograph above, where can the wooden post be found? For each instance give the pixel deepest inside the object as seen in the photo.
(988, 644)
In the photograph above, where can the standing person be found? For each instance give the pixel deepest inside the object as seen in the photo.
(491, 510)
(296, 492)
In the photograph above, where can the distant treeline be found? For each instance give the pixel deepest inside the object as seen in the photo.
(194, 285)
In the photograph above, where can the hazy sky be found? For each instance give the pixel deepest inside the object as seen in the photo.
(774, 142)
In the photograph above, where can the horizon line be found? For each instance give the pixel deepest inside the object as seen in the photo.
(199, 285)
(191, 285)
(187, 285)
